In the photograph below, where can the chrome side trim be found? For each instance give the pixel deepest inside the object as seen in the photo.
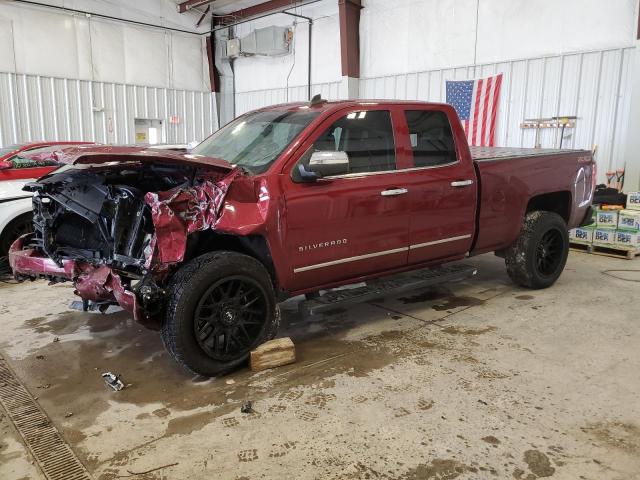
(378, 254)
(349, 259)
(437, 242)
(382, 172)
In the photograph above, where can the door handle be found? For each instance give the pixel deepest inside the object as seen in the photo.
(461, 183)
(392, 192)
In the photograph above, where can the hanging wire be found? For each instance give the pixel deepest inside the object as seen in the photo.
(610, 273)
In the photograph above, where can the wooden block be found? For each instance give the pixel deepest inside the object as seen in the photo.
(275, 353)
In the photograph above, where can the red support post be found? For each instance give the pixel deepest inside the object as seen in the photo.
(350, 37)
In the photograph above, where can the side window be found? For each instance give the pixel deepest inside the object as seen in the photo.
(366, 137)
(431, 138)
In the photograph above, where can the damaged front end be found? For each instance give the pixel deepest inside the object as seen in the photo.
(118, 229)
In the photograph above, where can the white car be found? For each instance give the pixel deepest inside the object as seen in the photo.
(15, 212)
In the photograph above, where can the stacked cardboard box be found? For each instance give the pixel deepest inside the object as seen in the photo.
(614, 228)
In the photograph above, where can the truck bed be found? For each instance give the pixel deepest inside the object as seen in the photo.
(509, 178)
(485, 154)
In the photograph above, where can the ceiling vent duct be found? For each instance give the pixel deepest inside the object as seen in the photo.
(269, 42)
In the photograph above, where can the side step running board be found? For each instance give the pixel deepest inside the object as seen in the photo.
(394, 284)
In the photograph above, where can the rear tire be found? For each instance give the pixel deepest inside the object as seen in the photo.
(538, 256)
(220, 307)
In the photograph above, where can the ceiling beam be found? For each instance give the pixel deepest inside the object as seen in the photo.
(261, 9)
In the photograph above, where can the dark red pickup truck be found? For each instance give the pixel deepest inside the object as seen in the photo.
(288, 200)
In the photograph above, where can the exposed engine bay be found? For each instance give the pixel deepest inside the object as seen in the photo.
(117, 230)
(99, 217)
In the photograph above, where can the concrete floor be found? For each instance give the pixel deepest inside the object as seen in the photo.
(471, 380)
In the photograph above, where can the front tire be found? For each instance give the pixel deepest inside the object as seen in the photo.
(221, 306)
(538, 256)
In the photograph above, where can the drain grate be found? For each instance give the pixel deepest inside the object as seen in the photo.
(54, 456)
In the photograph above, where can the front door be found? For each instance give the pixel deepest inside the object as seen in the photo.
(353, 224)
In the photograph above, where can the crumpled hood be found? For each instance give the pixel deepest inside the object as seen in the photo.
(92, 154)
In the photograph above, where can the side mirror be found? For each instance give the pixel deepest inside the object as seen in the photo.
(326, 164)
(4, 165)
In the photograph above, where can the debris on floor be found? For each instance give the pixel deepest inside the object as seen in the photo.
(132, 473)
(247, 407)
(274, 353)
(113, 381)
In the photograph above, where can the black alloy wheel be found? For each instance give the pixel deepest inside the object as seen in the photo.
(220, 306)
(538, 256)
(549, 252)
(229, 317)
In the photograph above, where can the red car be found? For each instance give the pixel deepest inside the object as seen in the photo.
(289, 200)
(11, 169)
(15, 171)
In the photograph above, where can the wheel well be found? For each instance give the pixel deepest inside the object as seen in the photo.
(254, 246)
(27, 216)
(557, 202)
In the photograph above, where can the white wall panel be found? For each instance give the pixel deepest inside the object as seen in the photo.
(48, 108)
(247, 101)
(590, 85)
(37, 50)
(420, 35)
(107, 40)
(40, 41)
(189, 65)
(146, 56)
(6, 45)
(522, 28)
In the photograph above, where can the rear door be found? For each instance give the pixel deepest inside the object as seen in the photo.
(355, 224)
(442, 188)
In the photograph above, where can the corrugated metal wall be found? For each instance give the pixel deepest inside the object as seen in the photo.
(590, 85)
(246, 101)
(46, 108)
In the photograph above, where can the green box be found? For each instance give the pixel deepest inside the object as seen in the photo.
(633, 200)
(604, 235)
(582, 234)
(628, 238)
(607, 219)
(629, 220)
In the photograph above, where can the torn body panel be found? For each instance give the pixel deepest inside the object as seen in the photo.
(178, 212)
(119, 232)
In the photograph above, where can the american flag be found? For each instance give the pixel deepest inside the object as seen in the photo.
(476, 102)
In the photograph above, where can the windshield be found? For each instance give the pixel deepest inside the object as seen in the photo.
(254, 141)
